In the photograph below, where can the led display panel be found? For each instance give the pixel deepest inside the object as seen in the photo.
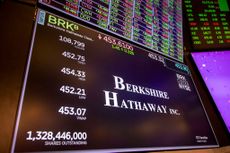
(209, 23)
(214, 69)
(155, 24)
(87, 91)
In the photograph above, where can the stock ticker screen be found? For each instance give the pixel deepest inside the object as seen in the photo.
(155, 24)
(209, 23)
(87, 91)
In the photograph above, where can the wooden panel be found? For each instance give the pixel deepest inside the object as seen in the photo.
(15, 29)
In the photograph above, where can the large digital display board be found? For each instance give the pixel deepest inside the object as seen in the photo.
(87, 91)
(154, 24)
(214, 69)
(209, 22)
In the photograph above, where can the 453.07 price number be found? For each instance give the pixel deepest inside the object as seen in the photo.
(73, 111)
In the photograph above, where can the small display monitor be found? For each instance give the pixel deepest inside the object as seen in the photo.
(209, 24)
(156, 25)
(215, 71)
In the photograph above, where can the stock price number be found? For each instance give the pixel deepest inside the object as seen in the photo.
(77, 73)
(113, 41)
(51, 136)
(79, 58)
(73, 111)
(77, 44)
(73, 91)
